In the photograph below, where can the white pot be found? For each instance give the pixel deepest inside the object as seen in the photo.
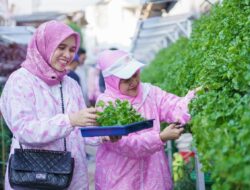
(184, 142)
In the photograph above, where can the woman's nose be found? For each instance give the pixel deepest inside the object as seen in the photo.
(67, 54)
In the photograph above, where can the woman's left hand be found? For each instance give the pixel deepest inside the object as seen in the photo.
(198, 89)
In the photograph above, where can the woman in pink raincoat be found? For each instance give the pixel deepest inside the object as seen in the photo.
(138, 161)
(31, 100)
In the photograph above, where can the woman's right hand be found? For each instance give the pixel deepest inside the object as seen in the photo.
(171, 133)
(84, 117)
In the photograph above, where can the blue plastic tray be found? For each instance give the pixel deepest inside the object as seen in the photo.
(116, 130)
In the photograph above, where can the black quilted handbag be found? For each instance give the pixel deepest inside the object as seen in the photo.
(41, 169)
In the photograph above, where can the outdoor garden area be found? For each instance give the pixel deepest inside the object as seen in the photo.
(216, 57)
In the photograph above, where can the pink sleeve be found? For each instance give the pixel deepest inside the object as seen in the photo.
(172, 108)
(17, 105)
(137, 145)
(79, 96)
(94, 141)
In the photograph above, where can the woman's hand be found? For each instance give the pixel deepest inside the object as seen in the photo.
(171, 132)
(84, 117)
(197, 89)
(111, 138)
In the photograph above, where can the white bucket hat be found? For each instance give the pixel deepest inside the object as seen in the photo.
(123, 68)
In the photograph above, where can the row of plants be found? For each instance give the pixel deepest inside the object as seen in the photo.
(216, 57)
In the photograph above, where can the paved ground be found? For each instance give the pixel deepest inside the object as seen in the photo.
(91, 166)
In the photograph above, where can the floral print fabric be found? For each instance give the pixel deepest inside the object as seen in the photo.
(32, 110)
(138, 161)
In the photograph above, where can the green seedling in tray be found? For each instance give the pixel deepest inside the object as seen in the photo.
(117, 113)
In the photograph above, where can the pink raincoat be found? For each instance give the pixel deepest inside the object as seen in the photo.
(31, 102)
(138, 161)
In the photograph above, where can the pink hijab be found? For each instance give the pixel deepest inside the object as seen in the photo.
(106, 59)
(41, 49)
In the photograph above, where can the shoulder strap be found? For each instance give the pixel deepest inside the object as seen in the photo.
(61, 92)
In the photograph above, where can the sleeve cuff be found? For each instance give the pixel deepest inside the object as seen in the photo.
(68, 124)
(157, 142)
(190, 95)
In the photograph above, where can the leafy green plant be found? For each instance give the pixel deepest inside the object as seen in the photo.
(217, 57)
(117, 113)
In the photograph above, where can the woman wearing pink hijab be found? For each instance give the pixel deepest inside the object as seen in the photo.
(138, 161)
(31, 102)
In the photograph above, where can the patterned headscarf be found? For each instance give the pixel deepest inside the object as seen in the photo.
(42, 47)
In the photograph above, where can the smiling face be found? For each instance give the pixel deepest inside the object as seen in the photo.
(64, 54)
(129, 86)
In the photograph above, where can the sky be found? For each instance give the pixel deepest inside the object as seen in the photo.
(27, 6)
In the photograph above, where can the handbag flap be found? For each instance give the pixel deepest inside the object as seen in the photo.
(47, 161)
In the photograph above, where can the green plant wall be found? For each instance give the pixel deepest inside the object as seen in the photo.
(217, 57)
